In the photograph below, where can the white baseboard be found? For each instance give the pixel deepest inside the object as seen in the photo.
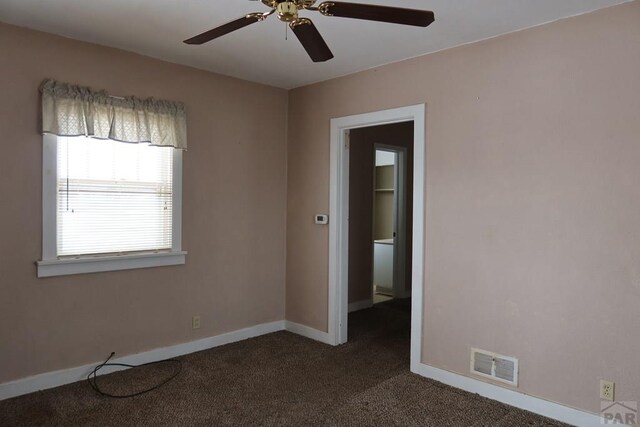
(501, 394)
(308, 332)
(382, 290)
(537, 405)
(360, 305)
(66, 376)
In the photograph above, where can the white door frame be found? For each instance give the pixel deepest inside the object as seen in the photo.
(399, 219)
(339, 220)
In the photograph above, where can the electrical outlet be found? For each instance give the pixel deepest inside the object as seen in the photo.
(607, 390)
(195, 322)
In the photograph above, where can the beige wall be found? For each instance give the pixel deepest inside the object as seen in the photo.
(234, 213)
(532, 225)
(532, 200)
(361, 161)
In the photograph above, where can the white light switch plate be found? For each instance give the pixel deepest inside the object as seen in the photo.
(322, 219)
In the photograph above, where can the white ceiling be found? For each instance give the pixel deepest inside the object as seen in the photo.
(260, 52)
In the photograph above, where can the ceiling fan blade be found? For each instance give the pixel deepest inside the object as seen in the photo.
(220, 31)
(311, 40)
(393, 15)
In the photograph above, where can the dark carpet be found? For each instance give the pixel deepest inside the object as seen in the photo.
(275, 380)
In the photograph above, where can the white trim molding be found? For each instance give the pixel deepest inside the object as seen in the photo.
(65, 266)
(360, 305)
(339, 211)
(308, 332)
(67, 376)
(52, 265)
(533, 404)
(399, 272)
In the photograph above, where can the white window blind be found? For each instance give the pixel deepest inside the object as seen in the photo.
(113, 197)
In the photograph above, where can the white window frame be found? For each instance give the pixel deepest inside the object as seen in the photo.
(51, 265)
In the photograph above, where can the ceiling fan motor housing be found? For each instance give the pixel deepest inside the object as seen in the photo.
(299, 3)
(287, 11)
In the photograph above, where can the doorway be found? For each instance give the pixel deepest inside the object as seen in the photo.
(389, 213)
(378, 214)
(341, 129)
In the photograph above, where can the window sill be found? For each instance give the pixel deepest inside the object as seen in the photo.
(94, 264)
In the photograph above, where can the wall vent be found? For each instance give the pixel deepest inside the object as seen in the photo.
(494, 366)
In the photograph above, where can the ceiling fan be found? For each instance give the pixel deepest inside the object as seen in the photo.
(308, 35)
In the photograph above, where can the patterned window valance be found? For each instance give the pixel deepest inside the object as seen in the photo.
(69, 110)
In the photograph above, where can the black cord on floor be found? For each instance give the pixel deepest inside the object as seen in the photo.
(92, 378)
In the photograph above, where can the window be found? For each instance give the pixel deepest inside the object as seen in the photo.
(111, 199)
(109, 205)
